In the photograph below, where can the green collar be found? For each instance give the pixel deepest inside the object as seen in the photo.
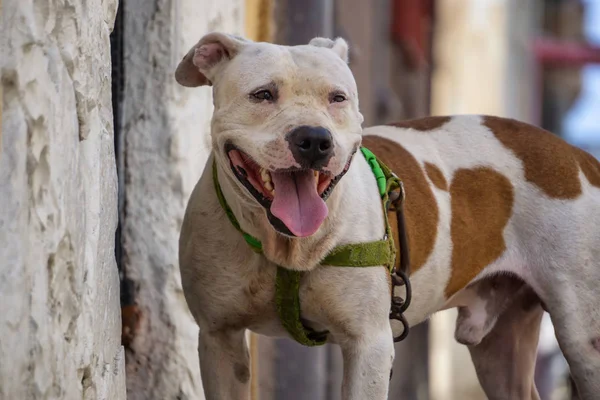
(287, 285)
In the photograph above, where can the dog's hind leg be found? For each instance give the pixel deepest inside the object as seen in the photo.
(224, 364)
(505, 358)
(574, 306)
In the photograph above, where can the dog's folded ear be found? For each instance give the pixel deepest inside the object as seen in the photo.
(202, 62)
(339, 46)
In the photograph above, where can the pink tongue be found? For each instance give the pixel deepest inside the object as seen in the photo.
(297, 203)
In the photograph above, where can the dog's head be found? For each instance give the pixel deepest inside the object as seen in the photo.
(286, 121)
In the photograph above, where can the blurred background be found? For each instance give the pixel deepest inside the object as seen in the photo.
(71, 172)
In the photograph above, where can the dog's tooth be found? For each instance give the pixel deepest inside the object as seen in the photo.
(265, 175)
(269, 186)
(317, 177)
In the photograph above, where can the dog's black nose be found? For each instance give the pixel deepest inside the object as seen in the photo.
(312, 146)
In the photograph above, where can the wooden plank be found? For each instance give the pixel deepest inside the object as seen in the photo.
(259, 22)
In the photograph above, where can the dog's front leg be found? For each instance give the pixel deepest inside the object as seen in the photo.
(224, 364)
(367, 365)
(354, 305)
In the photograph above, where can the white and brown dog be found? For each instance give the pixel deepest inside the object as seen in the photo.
(503, 220)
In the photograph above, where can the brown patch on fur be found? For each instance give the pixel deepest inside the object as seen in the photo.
(589, 165)
(436, 176)
(422, 124)
(421, 209)
(549, 162)
(481, 201)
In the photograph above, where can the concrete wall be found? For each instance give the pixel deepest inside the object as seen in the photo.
(166, 144)
(60, 322)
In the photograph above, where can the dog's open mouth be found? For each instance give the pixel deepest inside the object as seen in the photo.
(294, 198)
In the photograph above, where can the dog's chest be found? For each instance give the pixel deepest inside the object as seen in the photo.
(243, 294)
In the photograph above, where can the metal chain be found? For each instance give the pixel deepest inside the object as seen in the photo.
(400, 275)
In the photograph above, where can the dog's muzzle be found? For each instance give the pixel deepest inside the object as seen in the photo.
(294, 198)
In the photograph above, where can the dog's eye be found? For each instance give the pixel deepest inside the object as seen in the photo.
(337, 98)
(263, 95)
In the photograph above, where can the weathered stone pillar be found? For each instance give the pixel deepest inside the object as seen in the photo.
(60, 321)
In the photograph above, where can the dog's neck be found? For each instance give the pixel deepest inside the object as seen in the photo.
(352, 218)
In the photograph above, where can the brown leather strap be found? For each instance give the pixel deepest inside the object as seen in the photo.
(392, 218)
